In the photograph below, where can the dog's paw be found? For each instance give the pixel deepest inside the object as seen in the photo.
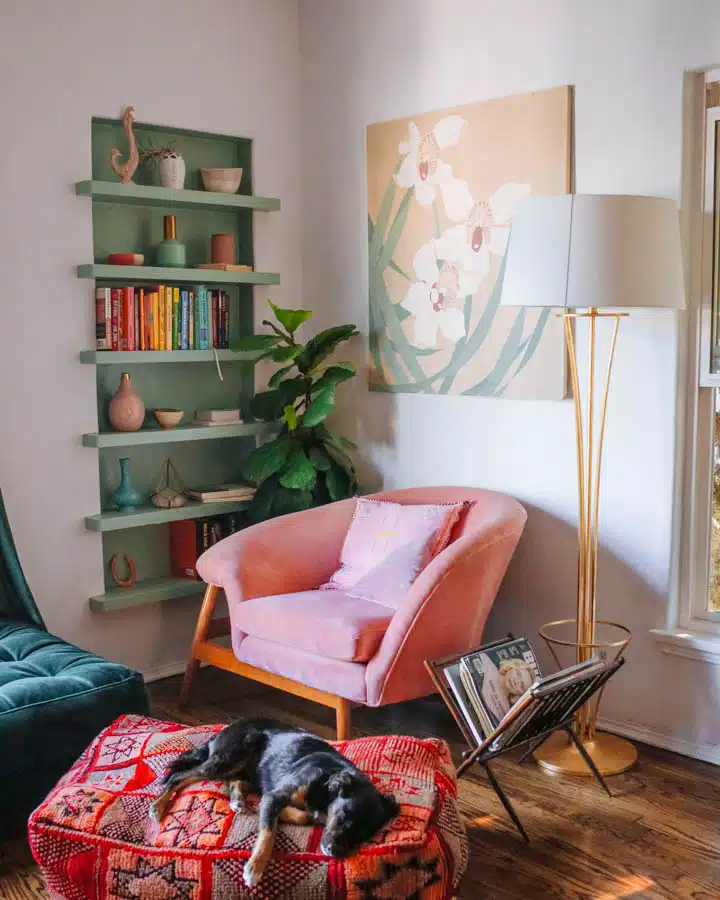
(253, 872)
(157, 811)
(237, 803)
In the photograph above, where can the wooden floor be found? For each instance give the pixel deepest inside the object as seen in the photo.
(659, 837)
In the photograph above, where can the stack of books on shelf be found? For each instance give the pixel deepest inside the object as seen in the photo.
(161, 318)
(220, 493)
(190, 538)
(212, 417)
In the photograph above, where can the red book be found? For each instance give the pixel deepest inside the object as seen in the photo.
(127, 324)
(103, 319)
(185, 547)
(226, 320)
(136, 308)
(142, 319)
(116, 312)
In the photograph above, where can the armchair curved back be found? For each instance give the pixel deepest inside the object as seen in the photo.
(447, 606)
(16, 599)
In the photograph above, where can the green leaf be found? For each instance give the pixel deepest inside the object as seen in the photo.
(268, 405)
(319, 407)
(292, 388)
(291, 319)
(290, 416)
(337, 440)
(319, 459)
(299, 474)
(396, 268)
(276, 376)
(338, 483)
(340, 458)
(261, 503)
(252, 342)
(401, 313)
(287, 500)
(395, 231)
(334, 375)
(322, 345)
(286, 354)
(267, 459)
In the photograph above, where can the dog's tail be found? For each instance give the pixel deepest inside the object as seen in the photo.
(186, 761)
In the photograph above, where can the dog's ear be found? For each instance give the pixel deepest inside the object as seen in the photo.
(392, 807)
(341, 784)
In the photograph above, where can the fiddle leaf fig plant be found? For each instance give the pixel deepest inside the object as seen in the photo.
(306, 464)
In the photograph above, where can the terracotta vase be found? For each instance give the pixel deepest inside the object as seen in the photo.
(126, 411)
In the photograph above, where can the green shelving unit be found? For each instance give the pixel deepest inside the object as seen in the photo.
(129, 219)
(165, 275)
(153, 195)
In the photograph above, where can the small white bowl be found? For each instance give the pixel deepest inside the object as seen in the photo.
(168, 418)
(221, 181)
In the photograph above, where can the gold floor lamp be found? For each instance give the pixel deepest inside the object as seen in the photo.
(591, 256)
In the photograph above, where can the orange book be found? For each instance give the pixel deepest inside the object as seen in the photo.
(169, 316)
(156, 321)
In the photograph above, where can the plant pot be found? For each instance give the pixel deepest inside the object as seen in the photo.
(126, 498)
(126, 411)
(171, 172)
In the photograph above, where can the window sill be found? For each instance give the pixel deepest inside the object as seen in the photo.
(692, 645)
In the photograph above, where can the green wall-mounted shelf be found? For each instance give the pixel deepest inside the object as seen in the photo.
(143, 357)
(165, 274)
(150, 515)
(151, 590)
(151, 195)
(177, 435)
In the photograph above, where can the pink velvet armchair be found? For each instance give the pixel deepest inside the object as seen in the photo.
(332, 648)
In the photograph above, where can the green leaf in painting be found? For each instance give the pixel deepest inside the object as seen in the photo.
(319, 407)
(276, 377)
(299, 473)
(290, 416)
(267, 459)
(254, 342)
(291, 319)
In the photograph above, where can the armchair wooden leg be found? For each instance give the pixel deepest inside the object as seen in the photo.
(201, 634)
(342, 719)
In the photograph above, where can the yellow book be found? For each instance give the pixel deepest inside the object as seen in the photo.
(162, 316)
(173, 300)
(156, 321)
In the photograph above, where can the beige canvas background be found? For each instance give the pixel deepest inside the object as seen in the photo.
(522, 139)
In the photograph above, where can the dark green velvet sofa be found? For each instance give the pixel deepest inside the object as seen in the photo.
(54, 697)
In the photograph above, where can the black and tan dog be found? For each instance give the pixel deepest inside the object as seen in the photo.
(302, 780)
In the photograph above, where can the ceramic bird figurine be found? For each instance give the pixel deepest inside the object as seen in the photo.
(127, 169)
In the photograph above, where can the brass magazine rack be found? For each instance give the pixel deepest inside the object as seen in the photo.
(544, 710)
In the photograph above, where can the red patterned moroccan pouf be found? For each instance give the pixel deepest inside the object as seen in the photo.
(93, 837)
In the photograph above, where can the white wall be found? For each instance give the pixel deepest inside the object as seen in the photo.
(377, 60)
(219, 65)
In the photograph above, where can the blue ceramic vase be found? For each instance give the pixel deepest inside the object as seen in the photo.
(126, 498)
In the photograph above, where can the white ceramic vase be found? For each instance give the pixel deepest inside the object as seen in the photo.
(171, 171)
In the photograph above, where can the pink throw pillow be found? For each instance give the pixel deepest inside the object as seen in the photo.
(388, 545)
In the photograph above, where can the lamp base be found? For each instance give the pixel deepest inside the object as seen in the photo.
(611, 754)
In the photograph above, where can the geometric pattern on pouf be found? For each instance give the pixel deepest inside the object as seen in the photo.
(93, 837)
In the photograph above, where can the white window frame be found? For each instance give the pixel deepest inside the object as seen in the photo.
(692, 629)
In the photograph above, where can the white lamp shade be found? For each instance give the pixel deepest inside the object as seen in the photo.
(589, 250)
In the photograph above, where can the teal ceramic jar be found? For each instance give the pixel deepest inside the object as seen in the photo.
(171, 252)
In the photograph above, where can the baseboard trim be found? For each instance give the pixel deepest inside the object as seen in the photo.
(705, 752)
(167, 671)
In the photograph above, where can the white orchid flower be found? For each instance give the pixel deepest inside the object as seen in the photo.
(485, 230)
(423, 169)
(432, 297)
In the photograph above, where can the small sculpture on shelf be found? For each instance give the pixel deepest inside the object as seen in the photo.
(127, 169)
(130, 563)
(166, 495)
(126, 411)
(169, 164)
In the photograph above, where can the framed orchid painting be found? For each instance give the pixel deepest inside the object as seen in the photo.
(442, 190)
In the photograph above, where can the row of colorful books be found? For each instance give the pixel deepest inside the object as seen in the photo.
(161, 318)
(190, 538)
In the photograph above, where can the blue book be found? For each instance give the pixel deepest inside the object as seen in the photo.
(202, 318)
(184, 321)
